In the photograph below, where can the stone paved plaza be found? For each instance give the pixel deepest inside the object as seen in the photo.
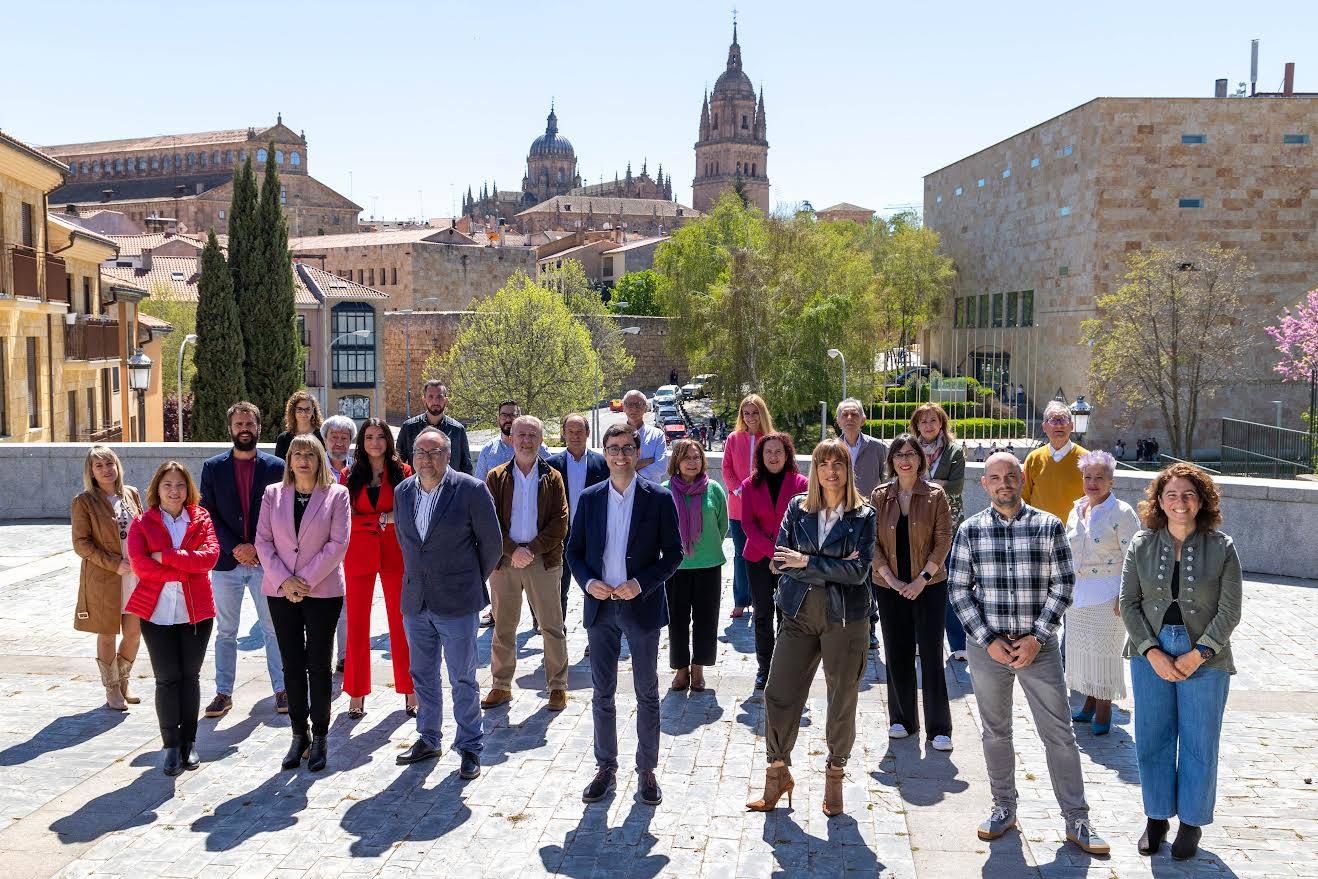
(80, 794)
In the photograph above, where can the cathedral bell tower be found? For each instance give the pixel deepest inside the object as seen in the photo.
(732, 151)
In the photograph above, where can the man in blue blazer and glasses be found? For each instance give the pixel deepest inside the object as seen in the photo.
(622, 549)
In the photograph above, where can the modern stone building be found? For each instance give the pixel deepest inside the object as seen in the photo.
(1039, 226)
(184, 182)
(733, 149)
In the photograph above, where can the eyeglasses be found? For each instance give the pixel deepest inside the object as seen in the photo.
(907, 455)
(432, 455)
(304, 410)
(625, 451)
(1057, 419)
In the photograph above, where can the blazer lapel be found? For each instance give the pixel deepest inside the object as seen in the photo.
(810, 528)
(318, 496)
(447, 488)
(258, 488)
(405, 508)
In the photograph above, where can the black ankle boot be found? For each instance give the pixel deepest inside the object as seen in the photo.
(1186, 845)
(188, 753)
(296, 751)
(318, 754)
(171, 761)
(1154, 834)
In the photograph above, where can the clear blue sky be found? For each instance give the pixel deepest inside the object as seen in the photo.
(862, 99)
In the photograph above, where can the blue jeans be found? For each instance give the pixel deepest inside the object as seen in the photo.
(430, 638)
(605, 637)
(741, 584)
(1178, 728)
(956, 633)
(228, 588)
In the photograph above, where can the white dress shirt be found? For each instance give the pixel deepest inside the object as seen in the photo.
(614, 571)
(576, 482)
(827, 519)
(1059, 454)
(425, 505)
(171, 608)
(526, 489)
(854, 450)
(653, 445)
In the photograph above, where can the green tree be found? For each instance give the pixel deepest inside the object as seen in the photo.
(242, 217)
(585, 301)
(915, 278)
(522, 343)
(640, 290)
(1169, 336)
(269, 315)
(167, 305)
(218, 381)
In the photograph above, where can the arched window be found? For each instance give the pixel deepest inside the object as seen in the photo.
(279, 157)
(242, 155)
(96, 167)
(201, 160)
(215, 157)
(178, 160)
(228, 157)
(141, 163)
(753, 171)
(73, 169)
(118, 166)
(261, 154)
(560, 175)
(192, 160)
(155, 163)
(743, 122)
(353, 356)
(295, 157)
(739, 167)
(713, 120)
(84, 167)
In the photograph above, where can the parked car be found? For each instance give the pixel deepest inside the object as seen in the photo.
(671, 418)
(674, 431)
(692, 390)
(615, 405)
(661, 411)
(665, 394)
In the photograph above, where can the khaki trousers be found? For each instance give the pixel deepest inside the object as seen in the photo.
(542, 589)
(802, 642)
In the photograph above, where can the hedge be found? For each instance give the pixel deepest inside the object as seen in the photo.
(919, 392)
(900, 410)
(965, 428)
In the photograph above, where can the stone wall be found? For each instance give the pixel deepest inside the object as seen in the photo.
(433, 332)
(458, 274)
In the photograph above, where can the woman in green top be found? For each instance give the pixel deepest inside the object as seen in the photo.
(693, 591)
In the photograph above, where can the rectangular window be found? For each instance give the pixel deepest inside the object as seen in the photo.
(983, 310)
(353, 359)
(393, 275)
(107, 415)
(91, 408)
(27, 230)
(221, 213)
(1066, 150)
(1064, 211)
(1064, 271)
(87, 296)
(980, 183)
(1027, 308)
(1194, 138)
(283, 194)
(997, 310)
(361, 276)
(956, 313)
(33, 384)
(957, 191)
(1006, 172)
(938, 199)
(302, 330)
(1013, 306)
(372, 277)
(1190, 203)
(72, 416)
(1034, 162)
(115, 381)
(1294, 138)
(4, 390)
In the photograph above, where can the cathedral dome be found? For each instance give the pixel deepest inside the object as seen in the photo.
(551, 143)
(733, 82)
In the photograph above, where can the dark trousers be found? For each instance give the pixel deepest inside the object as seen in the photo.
(563, 587)
(177, 653)
(305, 630)
(605, 638)
(767, 615)
(693, 603)
(905, 624)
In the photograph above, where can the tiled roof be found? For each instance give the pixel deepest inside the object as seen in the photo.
(137, 188)
(640, 242)
(133, 245)
(364, 239)
(72, 226)
(34, 152)
(845, 207)
(155, 141)
(607, 206)
(118, 280)
(331, 286)
(510, 239)
(154, 323)
(179, 275)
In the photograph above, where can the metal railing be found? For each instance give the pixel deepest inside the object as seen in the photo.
(1253, 449)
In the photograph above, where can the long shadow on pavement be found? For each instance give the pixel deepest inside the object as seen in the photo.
(62, 733)
(623, 850)
(406, 809)
(797, 853)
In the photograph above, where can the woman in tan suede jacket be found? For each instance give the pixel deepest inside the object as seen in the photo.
(100, 516)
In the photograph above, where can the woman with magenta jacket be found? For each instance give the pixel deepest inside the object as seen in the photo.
(172, 547)
(301, 538)
(753, 423)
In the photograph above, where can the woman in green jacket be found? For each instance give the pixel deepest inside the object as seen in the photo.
(1180, 601)
(693, 591)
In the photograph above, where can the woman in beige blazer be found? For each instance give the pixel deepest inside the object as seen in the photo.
(101, 515)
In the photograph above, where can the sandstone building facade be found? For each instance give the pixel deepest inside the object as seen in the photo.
(733, 148)
(1039, 226)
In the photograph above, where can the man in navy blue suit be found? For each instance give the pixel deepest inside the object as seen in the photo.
(623, 549)
(580, 468)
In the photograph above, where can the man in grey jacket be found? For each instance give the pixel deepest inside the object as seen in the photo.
(449, 534)
(869, 460)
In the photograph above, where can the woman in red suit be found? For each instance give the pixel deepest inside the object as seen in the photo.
(373, 551)
(172, 547)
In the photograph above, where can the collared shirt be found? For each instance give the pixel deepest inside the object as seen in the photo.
(854, 450)
(526, 489)
(653, 445)
(619, 530)
(576, 482)
(425, 505)
(1010, 577)
(171, 608)
(827, 519)
(497, 452)
(338, 471)
(1059, 454)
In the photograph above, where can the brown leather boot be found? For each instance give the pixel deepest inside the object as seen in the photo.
(110, 680)
(833, 777)
(777, 781)
(125, 669)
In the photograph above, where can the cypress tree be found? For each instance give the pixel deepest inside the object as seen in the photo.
(270, 319)
(242, 213)
(218, 380)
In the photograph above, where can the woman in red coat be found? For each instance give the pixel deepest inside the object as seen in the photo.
(172, 547)
(373, 551)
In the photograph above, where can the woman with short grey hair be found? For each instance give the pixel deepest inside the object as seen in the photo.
(1099, 529)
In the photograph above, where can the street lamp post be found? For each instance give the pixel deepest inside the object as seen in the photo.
(190, 338)
(835, 354)
(139, 380)
(1080, 412)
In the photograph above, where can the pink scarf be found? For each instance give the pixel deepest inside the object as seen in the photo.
(690, 514)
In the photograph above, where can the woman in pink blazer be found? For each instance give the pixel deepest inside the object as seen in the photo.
(753, 422)
(764, 498)
(301, 539)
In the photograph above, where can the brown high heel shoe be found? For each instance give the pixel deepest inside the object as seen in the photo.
(833, 776)
(777, 781)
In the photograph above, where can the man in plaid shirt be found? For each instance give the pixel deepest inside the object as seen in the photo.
(1009, 578)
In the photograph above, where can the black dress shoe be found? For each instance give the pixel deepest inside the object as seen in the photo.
(171, 761)
(600, 786)
(471, 765)
(296, 751)
(761, 678)
(1154, 834)
(188, 753)
(317, 754)
(1186, 844)
(648, 787)
(415, 754)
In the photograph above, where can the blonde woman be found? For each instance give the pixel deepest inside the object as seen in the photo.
(824, 552)
(753, 423)
(101, 515)
(301, 415)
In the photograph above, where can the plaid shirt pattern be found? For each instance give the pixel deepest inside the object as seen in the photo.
(1010, 577)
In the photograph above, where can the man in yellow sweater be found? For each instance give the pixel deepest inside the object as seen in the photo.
(1052, 472)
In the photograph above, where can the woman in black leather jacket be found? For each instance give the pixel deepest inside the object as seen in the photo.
(825, 547)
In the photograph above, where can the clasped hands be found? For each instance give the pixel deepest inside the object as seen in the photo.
(909, 591)
(522, 557)
(1016, 654)
(1174, 669)
(624, 591)
(245, 554)
(294, 589)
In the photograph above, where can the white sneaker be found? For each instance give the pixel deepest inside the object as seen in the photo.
(959, 655)
(897, 731)
(941, 743)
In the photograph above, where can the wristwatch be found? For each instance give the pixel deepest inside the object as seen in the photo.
(1206, 652)
(926, 576)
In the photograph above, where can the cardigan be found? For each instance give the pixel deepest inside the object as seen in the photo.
(1098, 547)
(97, 542)
(189, 565)
(1053, 486)
(714, 527)
(951, 468)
